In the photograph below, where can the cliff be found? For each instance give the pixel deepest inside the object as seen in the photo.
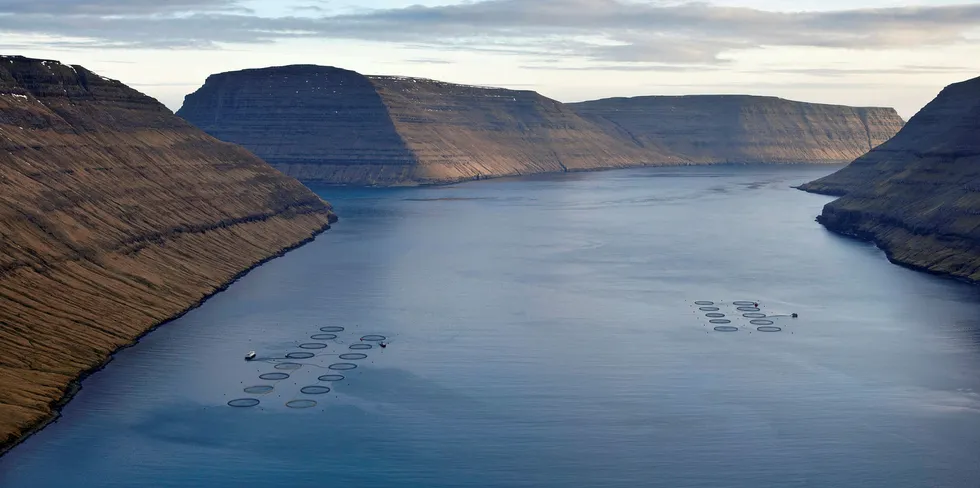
(745, 129)
(918, 195)
(329, 125)
(460, 132)
(116, 216)
(315, 123)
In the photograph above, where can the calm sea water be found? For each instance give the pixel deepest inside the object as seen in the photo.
(543, 334)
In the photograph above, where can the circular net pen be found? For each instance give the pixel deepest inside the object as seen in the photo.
(300, 355)
(314, 390)
(274, 376)
(259, 389)
(332, 328)
(726, 328)
(704, 302)
(754, 315)
(714, 315)
(709, 309)
(769, 328)
(300, 404)
(323, 337)
(761, 322)
(243, 402)
(720, 321)
(361, 347)
(373, 338)
(331, 377)
(743, 303)
(342, 366)
(354, 356)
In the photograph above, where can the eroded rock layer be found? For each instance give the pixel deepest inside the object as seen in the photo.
(335, 126)
(461, 132)
(918, 195)
(745, 129)
(115, 215)
(315, 123)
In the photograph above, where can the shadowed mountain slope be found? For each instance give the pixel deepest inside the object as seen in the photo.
(918, 195)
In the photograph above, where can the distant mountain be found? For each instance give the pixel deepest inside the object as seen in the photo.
(328, 125)
(745, 129)
(116, 215)
(918, 195)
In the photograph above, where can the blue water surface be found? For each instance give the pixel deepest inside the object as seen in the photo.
(543, 334)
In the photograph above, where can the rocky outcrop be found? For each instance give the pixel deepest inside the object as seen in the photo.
(329, 125)
(918, 195)
(115, 216)
(745, 129)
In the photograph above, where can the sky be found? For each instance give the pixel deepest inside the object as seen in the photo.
(859, 52)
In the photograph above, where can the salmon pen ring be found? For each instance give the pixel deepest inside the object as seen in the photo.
(315, 390)
(274, 376)
(342, 366)
(259, 389)
(243, 402)
(301, 404)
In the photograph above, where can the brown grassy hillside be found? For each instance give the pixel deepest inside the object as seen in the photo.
(746, 129)
(115, 215)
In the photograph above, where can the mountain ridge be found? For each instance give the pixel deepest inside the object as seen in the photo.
(116, 217)
(918, 195)
(748, 128)
(311, 122)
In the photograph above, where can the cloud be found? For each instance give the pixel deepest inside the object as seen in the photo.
(604, 31)
(664, 68)
(898, 70)
(428, 61)
(116, 7)
(316, 9)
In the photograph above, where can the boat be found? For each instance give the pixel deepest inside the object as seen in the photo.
(250, 356)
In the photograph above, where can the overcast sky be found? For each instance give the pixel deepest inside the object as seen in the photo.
(857, 52)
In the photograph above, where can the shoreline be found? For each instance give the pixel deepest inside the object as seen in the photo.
(872, 238)
(855, 233)
(428, 183)
(75, 385)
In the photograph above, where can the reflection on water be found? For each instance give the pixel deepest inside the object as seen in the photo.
(542, 333)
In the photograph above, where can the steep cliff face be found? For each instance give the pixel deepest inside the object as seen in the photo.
(918, 195)
(115, 216)
(329, 125)
(315, 123)
(459, 132)
(745, 129)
